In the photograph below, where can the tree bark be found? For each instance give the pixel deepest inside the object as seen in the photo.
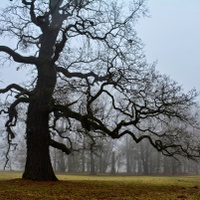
(38, 163)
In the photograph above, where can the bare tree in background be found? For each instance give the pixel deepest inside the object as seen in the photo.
(89, 50)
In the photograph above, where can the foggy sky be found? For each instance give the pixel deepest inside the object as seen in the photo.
(172, 37)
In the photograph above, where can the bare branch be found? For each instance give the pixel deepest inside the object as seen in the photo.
(81, 75)
(60, 146)
(27, 3)
(167, 150)
(13, 115)
(19, 58)
(16, 87)
(59, 46)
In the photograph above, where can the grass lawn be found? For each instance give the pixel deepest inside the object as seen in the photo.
(75, 187)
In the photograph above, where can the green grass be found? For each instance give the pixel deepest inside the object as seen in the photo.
(76, 187)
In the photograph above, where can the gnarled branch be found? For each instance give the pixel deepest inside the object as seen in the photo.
(81, 75)
(12, 112)
(16, 87)
(19, 58)
(60, 146)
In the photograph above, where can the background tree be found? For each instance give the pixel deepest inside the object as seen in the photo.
(89, 50)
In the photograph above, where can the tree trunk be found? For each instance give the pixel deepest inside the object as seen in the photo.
(145, 157)
(83, 162)
(38, 164)
(113, 170)
(158, 165)
(92, 164)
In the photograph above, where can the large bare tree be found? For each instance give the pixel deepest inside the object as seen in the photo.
(87, 51)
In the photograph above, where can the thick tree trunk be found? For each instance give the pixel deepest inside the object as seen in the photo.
(38, 164)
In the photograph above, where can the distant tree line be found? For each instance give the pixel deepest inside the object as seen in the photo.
(111, 157)
(116, 157)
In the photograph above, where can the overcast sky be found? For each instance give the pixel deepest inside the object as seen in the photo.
(172, 37)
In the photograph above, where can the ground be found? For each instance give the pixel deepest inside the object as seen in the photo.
(76, 187)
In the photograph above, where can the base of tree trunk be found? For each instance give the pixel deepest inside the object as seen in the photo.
(38, 166)
(39, 177)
